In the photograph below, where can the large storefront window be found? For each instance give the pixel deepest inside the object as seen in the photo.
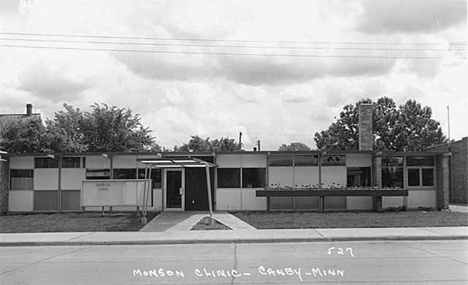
(253, 177)
(228, 177)
(420, 171)
(392, 172)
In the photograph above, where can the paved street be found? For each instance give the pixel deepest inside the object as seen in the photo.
(403, 262)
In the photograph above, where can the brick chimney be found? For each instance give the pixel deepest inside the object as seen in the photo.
(29, 109)
(366, 139)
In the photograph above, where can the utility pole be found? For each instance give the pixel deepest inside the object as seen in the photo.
(448, 121)
(240, 140)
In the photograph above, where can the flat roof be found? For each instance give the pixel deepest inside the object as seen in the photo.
(175, 162)
(195, 154)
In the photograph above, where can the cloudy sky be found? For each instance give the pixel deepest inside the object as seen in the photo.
(278, 71)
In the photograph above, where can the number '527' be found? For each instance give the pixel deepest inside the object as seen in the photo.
(340, 251)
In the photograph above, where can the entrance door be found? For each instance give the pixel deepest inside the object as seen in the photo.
(174, 190)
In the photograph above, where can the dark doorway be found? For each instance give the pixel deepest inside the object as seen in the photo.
(174, 185)
(196, 195)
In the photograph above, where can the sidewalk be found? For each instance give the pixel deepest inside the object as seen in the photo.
(184, 221)
(234, 236)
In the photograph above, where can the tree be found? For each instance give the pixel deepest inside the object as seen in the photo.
(408, 127)
(295, 146)
(198, 144)
(23, 136)
(114, 129)
(224, 144)
(104, 129)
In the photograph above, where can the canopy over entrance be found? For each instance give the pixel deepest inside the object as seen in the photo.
(175, 162)
(182, 162)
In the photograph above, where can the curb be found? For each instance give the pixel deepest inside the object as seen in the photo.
(228, 241)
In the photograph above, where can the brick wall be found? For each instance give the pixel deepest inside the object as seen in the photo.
(365, 127)
(377, 172)
(4, 187)
(458, 170)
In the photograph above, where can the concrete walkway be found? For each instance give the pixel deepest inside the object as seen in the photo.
(235, 236)
(184, 221)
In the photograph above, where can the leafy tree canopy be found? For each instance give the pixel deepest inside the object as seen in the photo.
(295, 146)
(408, 127)
(198, 144)
(102, 129)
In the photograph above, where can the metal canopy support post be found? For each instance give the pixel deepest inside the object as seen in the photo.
(145, 205)
(208, 186)
(143, 218)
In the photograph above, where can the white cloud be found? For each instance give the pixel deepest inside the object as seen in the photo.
(275, 99)
(411, 16)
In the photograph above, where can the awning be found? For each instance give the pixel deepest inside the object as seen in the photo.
(178, 163)
(175, 162)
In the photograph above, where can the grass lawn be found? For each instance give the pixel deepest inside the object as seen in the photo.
(204, 225)
(299, 220)
(72, 222)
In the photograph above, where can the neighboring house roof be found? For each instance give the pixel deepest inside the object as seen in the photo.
(446, 144)
(5, 119)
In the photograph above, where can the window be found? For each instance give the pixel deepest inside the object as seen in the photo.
(280, 160)
(155, 176)
(413, 177)
(71, 162)
(253, 177)
(21, 179)
(334, 160)
(392, 172)
(420, 171)
(420, 161)
(392, 177)
(392, 161)
(228, 177)
(95, 174)
(358, 177)
(209, 158)
(427, 177)
(127, 173)
(205, 158)
(45, 162)
(306, 160)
